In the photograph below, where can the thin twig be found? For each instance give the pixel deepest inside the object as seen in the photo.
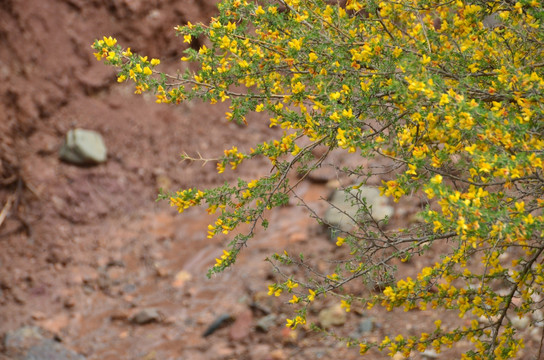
(6, 209)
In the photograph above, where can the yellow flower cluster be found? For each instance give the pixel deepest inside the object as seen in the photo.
(186, 198)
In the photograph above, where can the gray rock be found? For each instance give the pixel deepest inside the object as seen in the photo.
(51, 350)
(17, 342)
(30, 343)
(366, 326)
(146, 316)
(266, 322)
(343, 211)
(83, 147)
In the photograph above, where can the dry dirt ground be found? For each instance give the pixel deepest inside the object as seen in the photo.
(85, 249)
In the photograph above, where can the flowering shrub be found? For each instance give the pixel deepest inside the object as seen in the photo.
(451, 92)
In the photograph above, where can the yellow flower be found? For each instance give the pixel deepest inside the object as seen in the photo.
(187, 38)
(335, 96)
(155, 62)
(127, 52)
(147, 71)
(294, 300)
(295, 44)
(312, 57)
(411, 170)
(274, 290)
(437, 179)
(246, 194)
(110, 41)
(335, 117)
(311, 297)
(231, 26)
(111, 56)
(444, 99)
(425, 59)
(225, 42)
(298, 87)
(340, 241)
(291, 284)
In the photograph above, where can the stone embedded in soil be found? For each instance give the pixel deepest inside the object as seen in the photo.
(289, 336)
(430, 354)
(22, 339)
(366, 325)
(181, 278)
(343, 211)
(51, 350)
(220, 322)
(83, 147)
(521, 323)
(30, 343)
(145, 316)
(278, 354)
(266, 322)
(332, 316)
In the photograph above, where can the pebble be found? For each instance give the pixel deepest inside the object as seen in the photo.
(520, 323)
(83, 147)
(278, 354)
(538, 316)
(289, 336)
(430, 354)
(146, 316)
(366, 325)
(536, 333)
(332, 316)
(221, 321)
(181, 278)
(266, 322)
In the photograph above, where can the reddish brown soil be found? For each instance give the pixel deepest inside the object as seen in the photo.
(84, 248)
